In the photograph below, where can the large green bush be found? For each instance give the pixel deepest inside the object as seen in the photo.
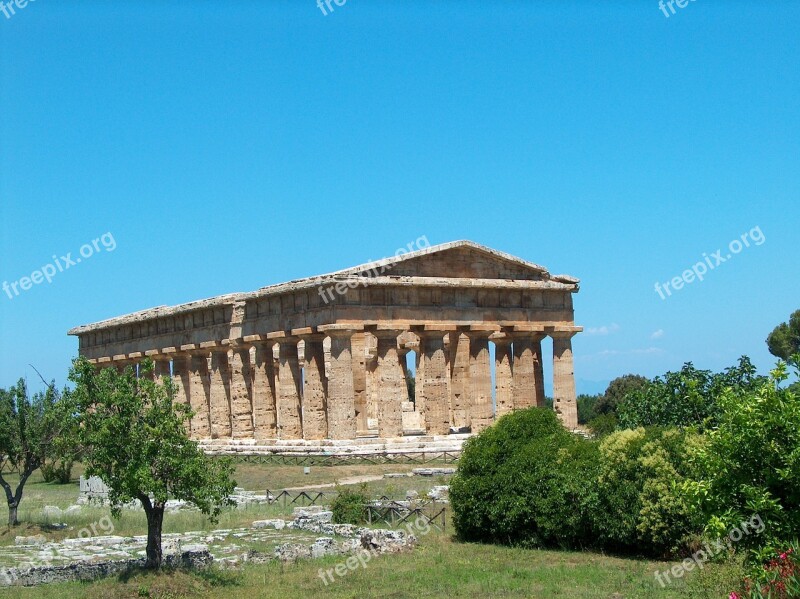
(350, 506)
(640, 504)
(525, 481)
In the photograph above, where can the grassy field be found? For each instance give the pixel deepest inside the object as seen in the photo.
(440, 566)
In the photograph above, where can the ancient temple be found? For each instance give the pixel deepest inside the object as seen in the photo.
(325, 358)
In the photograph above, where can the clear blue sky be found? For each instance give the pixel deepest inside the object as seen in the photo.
(230, 145)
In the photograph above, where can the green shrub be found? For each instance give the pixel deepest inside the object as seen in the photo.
(59, 472)
(523, 482)
(350, 506)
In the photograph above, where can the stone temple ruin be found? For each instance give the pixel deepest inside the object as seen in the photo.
(320, 363)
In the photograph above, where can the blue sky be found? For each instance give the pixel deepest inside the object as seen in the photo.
(230, 145)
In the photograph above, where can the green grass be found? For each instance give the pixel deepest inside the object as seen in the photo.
(438, 567)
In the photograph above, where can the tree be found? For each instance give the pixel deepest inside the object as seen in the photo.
(29, 433)
(784, 340)
(617, 390)
(750, 464)
(134, 437)
(685, 398)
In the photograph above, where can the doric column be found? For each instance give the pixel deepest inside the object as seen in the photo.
(121, 362)
(241, 390)
(358, 347)
(290, 425)
(459, 380)
(480, 380)
(264, 392)
(392, 391)
(180, 375)
(527, 352)
(564, 401)
(200, 393)
(161, 366)
(315, 388)
(434, 365)
(341, 404)
(220, 393)
(502, 374)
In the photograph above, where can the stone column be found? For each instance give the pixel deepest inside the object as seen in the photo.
(241, 391)
(480, 381)
(436, 399)
(358, 347)
(315, 389)
(502, 374)
(341, 404)
(200, 394)
(392, 391)
(220, 394)
(564, 400)
(526, 388)
(180, 375)
(459, 380)
(290, 424)
(264, 392)
(538, 372)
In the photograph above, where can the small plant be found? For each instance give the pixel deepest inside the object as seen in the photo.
(350, 506)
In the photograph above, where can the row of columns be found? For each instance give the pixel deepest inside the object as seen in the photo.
(238, 390)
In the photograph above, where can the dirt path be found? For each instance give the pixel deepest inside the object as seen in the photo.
(349, 480)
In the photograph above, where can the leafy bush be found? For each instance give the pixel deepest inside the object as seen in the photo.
(58, 471)
(350, 506)
(685, 398)
(750, 464)
(617, 390)
(587, 407)
(641, 507)
(523, 482)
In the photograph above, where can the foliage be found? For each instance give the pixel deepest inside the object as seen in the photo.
(750, 464)
(685, 398)
(784, 340)
(350, 506)
(523, 482)
(603, 425)
(617, 390)
(587, 407)
(640, 504)
(57, 471)
(778, 578)
(30, 428)
(134, 437)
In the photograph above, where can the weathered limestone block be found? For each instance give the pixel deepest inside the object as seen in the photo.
(392, 385)
(437, 401)
(564, 400)
(341, 404)
(290, 425)
(315, 422)
(459, 379)
(200, 395)
(241, 393)
(480, 381)
(220, 395)
(502, 373)
(264, 414)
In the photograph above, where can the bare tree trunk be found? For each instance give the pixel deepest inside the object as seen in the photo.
(155, 521)
(12, 515)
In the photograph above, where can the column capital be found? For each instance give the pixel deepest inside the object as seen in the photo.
(340, 329)
(564, 332)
